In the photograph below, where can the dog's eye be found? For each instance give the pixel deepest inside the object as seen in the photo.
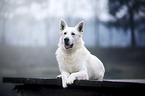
(73, 34)
(65, 33)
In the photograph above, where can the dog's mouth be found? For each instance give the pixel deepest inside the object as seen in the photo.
(69, 46)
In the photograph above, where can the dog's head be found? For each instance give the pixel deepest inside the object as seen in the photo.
(71, 36)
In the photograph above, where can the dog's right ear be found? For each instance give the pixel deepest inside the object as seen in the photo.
(63, 25)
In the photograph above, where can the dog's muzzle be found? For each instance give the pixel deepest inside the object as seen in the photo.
(66, 44)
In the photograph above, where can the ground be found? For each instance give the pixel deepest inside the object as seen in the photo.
(120, 63)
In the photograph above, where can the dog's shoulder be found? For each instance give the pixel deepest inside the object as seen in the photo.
(83, 50)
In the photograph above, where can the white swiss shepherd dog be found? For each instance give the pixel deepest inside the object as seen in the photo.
(75, 61)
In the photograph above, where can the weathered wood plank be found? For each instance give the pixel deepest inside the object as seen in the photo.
(83, 83)
(53, 87)
(31, 80)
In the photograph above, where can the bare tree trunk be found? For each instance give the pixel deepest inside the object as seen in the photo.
(97, 31)
(97, 22)
(133, 44)
(110, 37)
(3, 31)
(131, 21)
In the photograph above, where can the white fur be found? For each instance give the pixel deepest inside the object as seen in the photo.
(76, 63)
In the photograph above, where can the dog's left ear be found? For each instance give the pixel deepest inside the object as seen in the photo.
(80, 26)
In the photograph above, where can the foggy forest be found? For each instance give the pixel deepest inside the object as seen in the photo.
(114, 32)
(31, 28)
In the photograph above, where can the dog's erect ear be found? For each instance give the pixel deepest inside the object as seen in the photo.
(62, 25)
(80, 26)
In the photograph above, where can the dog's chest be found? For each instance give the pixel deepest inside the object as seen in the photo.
(71, 63)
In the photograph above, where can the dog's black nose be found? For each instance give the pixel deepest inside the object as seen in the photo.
(66, 39)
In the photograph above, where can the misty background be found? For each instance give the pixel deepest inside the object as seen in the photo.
(114, 32)
(29, 34)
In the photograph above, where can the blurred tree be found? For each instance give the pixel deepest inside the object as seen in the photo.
(4, 14)
(96, 9)
(128, 14)
(7, 9)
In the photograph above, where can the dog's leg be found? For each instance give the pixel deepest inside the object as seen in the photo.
(65, 76)
(81, 75)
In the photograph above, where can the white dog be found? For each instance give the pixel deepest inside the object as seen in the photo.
(75, 61)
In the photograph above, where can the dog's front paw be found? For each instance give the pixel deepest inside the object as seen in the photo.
(71, 79)
(64, 85)
(59, 76)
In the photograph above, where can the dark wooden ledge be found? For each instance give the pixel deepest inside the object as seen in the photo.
(53, 87)
(122, 83)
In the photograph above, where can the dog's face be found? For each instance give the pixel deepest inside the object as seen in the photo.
(70, 35)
